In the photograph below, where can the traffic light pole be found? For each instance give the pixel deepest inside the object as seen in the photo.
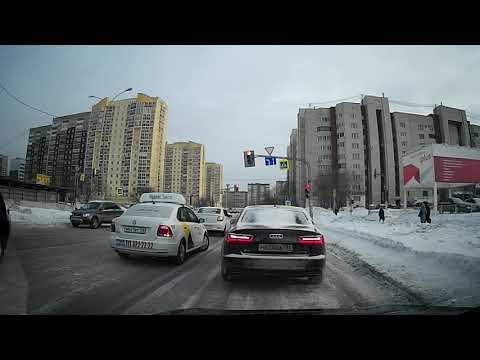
(308, 174)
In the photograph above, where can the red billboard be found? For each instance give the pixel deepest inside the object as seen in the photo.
(456, 170)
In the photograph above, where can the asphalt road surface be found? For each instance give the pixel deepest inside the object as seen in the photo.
(74, 271)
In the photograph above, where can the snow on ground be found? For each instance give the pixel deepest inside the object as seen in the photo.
(439, 260)
(38, 216)
(448, 233)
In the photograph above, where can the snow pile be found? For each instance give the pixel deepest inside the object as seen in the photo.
(38, 216)
(448, 233)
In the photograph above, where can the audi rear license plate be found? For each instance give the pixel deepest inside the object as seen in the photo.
(275, 247)
(134, 229)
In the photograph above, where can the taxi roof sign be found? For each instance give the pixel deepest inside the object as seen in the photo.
(163, 197)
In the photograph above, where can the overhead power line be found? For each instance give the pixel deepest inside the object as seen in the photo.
(24, 103)
(334, 101)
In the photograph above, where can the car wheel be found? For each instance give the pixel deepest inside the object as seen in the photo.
(75, 225)
(226, 275)
(207, 242)
(181, 253)
(123, 255)
(94, 224)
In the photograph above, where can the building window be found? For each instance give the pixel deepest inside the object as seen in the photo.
(402, 124)
(420, 127)
(403, 152)
(356, 156)
(404, 143)
(355, 145)
(354, 135)
(421, 136)
(431, 136)
(424, 193)
(403, 134)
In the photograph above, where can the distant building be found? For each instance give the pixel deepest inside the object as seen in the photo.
(184, 171)
(213, 183)
(17, 169)
(281, 192)
(235, 199)
(258, 194)
(3, 165)
(37, 153)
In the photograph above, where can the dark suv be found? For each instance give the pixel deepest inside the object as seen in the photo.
(95, 213)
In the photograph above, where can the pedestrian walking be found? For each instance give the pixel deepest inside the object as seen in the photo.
(336, 211)
(427, 213)
(422, 213)
(381, 215)
(4, 227)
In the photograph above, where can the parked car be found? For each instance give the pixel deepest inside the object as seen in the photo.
(95, 213)
(454, 204)
(474, 202)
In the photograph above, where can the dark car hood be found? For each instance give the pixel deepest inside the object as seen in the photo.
(372, 310)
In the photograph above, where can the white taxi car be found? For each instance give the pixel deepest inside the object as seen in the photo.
(215, 218)
(160, 225)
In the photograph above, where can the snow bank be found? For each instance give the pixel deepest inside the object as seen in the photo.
(448, 233)
(38, 216)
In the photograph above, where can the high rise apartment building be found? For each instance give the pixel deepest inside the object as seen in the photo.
(37, 152)
(184, 170)
(3, 165)
(126, 146)
(213, 183)
(66, 148)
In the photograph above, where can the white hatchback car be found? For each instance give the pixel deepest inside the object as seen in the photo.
(215, 218)
(160, 225)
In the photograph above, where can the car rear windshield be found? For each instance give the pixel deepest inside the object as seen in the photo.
(274, 217)
(150, 211)
(209, 211)
(92, 205)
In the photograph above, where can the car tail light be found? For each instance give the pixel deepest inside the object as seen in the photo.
(165, 231)
(239, 238)
(317, 240)
(220, 218)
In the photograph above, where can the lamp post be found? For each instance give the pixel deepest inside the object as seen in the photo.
(96, 97)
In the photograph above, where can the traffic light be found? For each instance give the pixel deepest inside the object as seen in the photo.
(249, 158)
(307, 193)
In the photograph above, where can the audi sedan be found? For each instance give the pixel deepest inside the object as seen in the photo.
(274, 240)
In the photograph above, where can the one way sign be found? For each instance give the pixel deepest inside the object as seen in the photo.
(270, 161)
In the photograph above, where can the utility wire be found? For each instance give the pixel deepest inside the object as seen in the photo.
(12, 139)
(332, 101)
(22, 102)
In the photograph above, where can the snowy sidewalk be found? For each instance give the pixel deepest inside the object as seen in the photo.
(39, 216)
(439, 261)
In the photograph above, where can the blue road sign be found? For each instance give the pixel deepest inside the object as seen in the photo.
(270, 161)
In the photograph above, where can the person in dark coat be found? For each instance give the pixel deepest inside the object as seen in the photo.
(427, 213)
(4, 227)
(422, 213)
(381, 215)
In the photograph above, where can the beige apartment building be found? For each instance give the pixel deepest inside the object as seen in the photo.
(125, 149)
(184, 170)
(213, 183)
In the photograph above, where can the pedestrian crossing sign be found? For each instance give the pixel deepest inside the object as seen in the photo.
(284, 164)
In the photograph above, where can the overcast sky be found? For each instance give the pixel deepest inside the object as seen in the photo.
(230, 98)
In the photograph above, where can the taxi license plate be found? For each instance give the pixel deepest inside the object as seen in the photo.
(134, 229)
(275, 247)
(135, 244)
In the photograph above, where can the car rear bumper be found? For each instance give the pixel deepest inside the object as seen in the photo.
(214, 226)
(294, 265)
(160, 247)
